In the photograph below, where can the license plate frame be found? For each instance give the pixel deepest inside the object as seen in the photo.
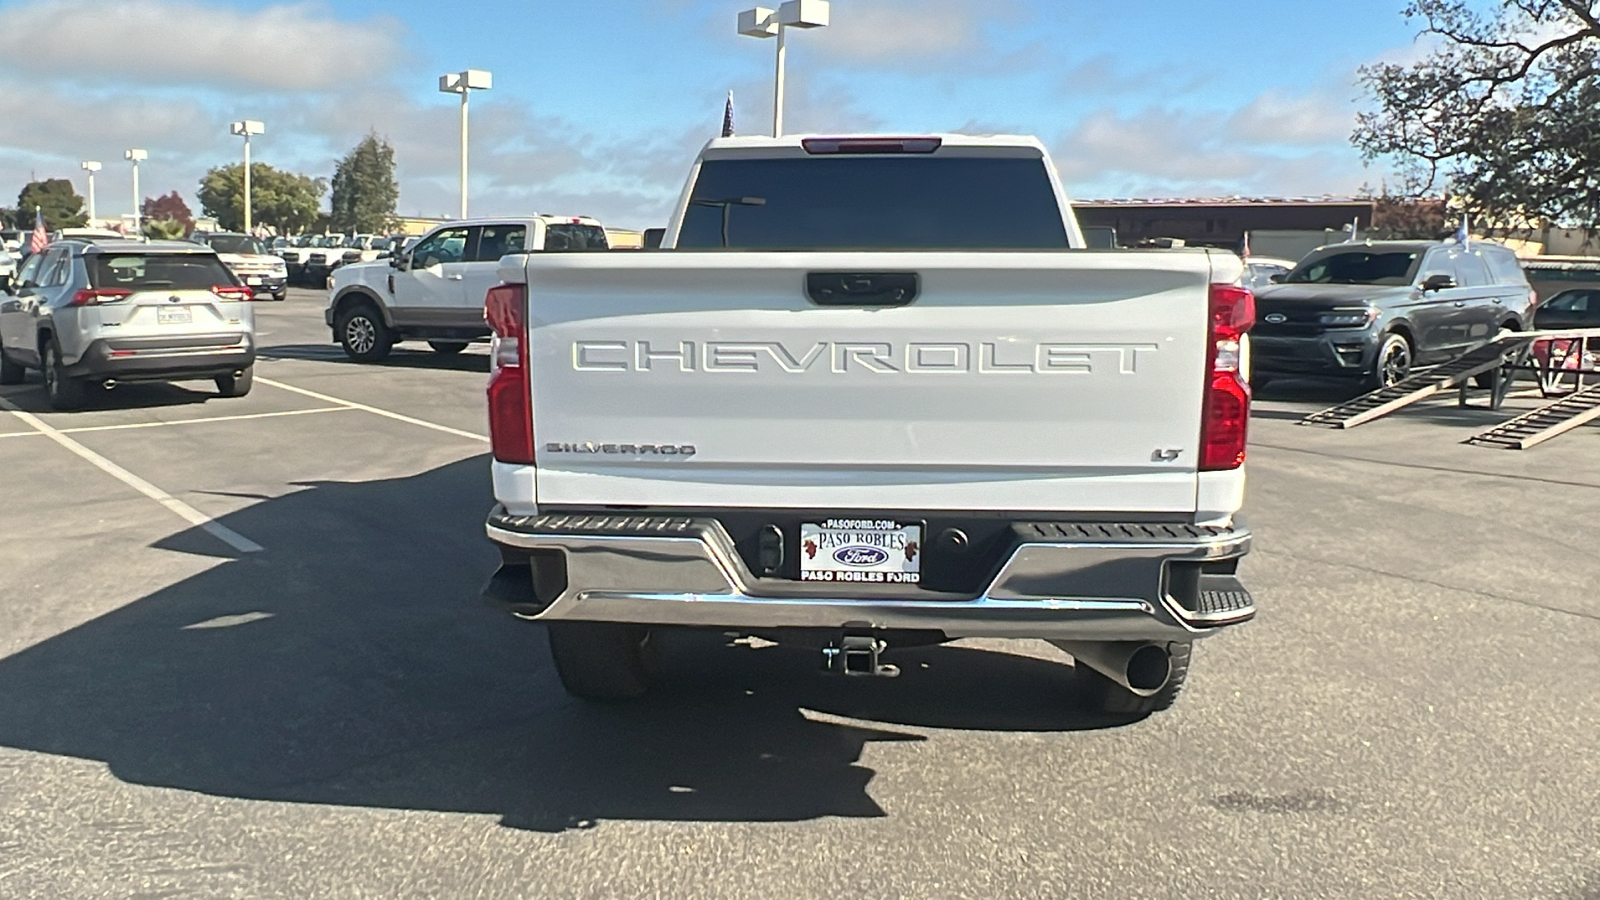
(174, 315)
(850, 550)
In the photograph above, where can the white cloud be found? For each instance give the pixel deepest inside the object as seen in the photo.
(899, 32)
(1275, 145)
(178, 42)
(1307, 119)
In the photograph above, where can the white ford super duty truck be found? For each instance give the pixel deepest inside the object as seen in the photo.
(873, 392)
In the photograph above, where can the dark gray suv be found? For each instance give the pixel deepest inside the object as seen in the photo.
(1374, 310)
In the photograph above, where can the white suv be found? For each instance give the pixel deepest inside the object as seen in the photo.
(434, 291)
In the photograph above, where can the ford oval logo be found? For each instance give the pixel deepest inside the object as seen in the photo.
(860, 556)
(1276, 318)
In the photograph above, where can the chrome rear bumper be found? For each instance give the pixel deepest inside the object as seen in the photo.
(654, 570)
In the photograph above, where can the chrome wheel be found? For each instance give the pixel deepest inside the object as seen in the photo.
(361, 334)
(1394, 363)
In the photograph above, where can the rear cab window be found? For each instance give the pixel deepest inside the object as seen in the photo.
(899, 201)
(158, 271)
(574, 237)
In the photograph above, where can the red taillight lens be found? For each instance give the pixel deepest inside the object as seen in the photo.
(510, 395)
(1225, 418)
(97, 296)
(233, 292)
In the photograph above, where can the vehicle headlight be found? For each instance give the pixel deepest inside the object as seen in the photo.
(1355, 317)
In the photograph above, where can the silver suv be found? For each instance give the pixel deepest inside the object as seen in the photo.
(96, 312)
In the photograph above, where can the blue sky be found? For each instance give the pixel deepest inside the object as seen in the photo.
(599, 106)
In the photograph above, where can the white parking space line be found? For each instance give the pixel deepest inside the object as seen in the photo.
(351, 404)
(265, 415)
(199, 421)
(193, 516)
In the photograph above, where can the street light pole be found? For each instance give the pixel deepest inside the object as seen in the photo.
(761, 22)
(464, 83)
(134, 156)
(245, 128)
(90, 166)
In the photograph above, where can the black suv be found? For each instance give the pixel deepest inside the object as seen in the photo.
(1373, 310)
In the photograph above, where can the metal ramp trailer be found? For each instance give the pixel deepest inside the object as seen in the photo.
(1559, 360)
(1540, 425)
(1409, 390)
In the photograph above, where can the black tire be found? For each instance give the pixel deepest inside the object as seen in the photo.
(236, 385)
(447, 348)
(281, 296)
(1393, 362)
(362, 333)
(64, 392)
(11, 372)
(1102, 695)
(1485, 380)
(599, 660)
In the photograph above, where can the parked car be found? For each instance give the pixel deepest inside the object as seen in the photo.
(875, 426)
(247, 257)
(1376, 310)
(1264, 271)
(11, 239)
(101, 312)
(434, 291)
(1575, 308)
(8, 267)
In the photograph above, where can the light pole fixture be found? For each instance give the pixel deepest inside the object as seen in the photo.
(91, 167)
(464, 83)
(762, 22)
(134, 156)
(244, 128)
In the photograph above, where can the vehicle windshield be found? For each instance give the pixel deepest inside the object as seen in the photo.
(381, 244)
(1385, 267)
(241, 244)
(160, 272)
(874, 202)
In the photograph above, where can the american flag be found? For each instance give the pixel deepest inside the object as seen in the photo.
(727, 117)
(41, 238)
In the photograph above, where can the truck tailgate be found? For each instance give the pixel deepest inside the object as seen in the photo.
(1062, 381)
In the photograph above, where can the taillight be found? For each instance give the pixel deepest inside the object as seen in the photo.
(871, 145)
(97, 296)
(510, 395)
(233, 292)
(1225, 418)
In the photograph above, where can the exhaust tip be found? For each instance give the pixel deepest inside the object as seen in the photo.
(1149, 667)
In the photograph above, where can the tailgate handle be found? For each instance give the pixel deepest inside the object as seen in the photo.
(862, 288)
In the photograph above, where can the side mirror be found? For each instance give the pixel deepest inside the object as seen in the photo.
(1279, 278)
(1440, 282)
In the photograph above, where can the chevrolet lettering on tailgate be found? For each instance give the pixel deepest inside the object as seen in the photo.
(883, 358)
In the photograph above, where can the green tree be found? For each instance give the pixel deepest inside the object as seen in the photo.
(364, 189)
(282, 200)
(1505, 113)
(55, 197)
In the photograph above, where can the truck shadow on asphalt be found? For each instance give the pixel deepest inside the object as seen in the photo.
(403, 356)
(351, 663)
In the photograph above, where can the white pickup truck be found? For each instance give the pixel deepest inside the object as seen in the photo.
(434, 291)
(873, 392)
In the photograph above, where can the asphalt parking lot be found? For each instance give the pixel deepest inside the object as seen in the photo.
(243, 657)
